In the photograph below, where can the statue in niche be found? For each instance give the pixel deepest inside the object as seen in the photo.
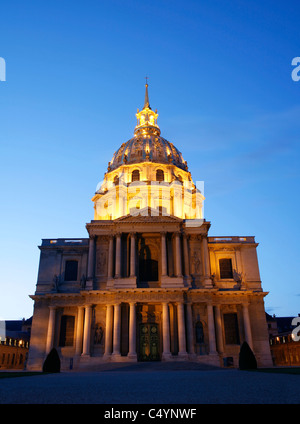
(98, 336)
(196, 262)
(55, 283)
(83, 281)
(199, 332)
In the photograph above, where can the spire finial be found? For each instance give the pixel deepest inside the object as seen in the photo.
(146, 104)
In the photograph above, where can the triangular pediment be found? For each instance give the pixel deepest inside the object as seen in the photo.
(148, 215)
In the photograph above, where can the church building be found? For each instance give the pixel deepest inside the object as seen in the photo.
(148, 283)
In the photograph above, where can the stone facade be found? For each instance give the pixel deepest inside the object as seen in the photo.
(148, 283)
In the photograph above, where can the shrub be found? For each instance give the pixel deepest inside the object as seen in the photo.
(247, 360)
(52, 362)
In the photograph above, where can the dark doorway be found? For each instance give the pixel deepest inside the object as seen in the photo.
(149, 342)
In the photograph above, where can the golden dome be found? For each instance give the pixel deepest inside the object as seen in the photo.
(147, 173)
(149, 148)
(147, 145)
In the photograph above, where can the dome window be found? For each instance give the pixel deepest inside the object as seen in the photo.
(160, 175)
(135, 176)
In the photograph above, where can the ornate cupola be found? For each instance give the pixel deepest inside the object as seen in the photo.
(146, 119)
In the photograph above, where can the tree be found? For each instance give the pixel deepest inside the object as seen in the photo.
(52, 362)
(247, 360)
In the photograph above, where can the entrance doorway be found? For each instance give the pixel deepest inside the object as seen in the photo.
(149, 342)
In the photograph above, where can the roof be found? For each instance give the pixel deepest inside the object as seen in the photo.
(147, 148)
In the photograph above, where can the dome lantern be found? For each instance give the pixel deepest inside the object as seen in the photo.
(146, 119)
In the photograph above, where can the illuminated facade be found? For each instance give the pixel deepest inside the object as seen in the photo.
(148, 283)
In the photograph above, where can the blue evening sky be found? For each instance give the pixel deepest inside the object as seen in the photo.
(219, 75)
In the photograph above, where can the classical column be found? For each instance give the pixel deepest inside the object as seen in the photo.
(108, 330)
(166, 331)
(87, 331)
(218, 321)
(117, 329)
(132, 330)
(132, 255)
(206, 267)
(181, 329)
(211, 329)
(79, 330)
(110, 257)
(163, 255)
(186, 256)
(91, 258)
(178, 266)
(51, 329)
(118, 256)
(190, 329)
(247, 325)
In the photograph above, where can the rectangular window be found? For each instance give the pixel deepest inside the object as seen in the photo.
(225, 268)
(231, 329)
(71, 270)
(67, 324)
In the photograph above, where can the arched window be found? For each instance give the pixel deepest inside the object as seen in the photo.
(116, 180)
(135, 176)
(160, 175)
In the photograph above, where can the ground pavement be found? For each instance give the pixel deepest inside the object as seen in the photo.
(152, 383)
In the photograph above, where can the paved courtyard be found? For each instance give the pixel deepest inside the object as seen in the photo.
(159, 384)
